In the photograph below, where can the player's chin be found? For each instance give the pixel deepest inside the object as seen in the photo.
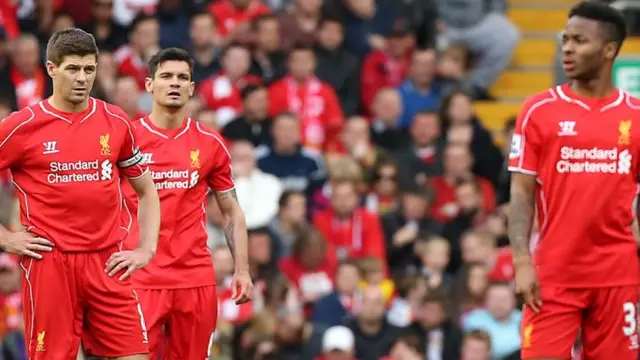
(174, 103)
(76, 97)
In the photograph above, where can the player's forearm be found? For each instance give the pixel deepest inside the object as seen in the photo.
(149, 220)
(235, 232)
(521, 213)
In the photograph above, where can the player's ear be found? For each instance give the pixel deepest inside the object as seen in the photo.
(148, 84)
(192, 88)
(610, 50)
(51, 69)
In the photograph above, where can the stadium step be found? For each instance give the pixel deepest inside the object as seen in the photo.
(548, 3)
(631, 47)
(534, 51)
(539, 19)
(521, 83)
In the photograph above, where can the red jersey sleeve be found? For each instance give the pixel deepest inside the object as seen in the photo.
(11, 138)
(526, 141)
(221, 177)
(129, 157)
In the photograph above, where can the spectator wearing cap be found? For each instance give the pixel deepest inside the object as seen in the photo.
(485, 30)
(297, 168)
(387, 66)
(373, 333)
(233, 17)
(253, 125)
(269, 62)
(24, 82)
(222, 91)
(338, 343)
(403, 227)
(336, 66)
(438, 334)
(298, 24)
(420, 91)
(205, 53)
(385, 117)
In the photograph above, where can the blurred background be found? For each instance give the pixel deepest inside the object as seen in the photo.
(368, 140)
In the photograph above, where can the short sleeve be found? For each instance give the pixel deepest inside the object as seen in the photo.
(11, 139)
(524, 154)
(221, 177)
(129, 157)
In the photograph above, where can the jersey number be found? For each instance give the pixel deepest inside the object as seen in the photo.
(630, 319)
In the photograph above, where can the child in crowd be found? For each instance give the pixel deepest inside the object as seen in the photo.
(480, 246)
(372, 271)
(434, 256)
(411, 290)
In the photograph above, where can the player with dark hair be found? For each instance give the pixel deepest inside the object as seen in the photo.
(177, 289)
(66, 156)
(575, 156)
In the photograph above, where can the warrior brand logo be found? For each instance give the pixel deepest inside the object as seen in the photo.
(594, 160)
(147, 158)
(567, 128)
(50, 147)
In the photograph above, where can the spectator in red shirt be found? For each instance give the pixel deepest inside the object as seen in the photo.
(310, 267)
(353, 231)
(387, 67)
(233, 17)
(458, 163)
(479, 246)
(222, 92)
(313, 101)
(8, 18)
(144, 42)
(24, 82)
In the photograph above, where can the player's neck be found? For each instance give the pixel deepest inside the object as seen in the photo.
(595, 88)
(166, 119)
(62, 105)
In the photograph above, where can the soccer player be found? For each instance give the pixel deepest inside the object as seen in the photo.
(66, 155)
(177, 289)
(575, 155)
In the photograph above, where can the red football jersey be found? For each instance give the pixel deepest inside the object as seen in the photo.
(227, 16)
(63, 169)
(584, 153)
(184, 163)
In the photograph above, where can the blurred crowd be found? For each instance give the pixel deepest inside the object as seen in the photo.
(374, 196)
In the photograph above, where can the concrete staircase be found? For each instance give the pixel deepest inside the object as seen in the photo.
(532, 66)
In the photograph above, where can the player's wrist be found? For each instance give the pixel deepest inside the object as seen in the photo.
(522, 260)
